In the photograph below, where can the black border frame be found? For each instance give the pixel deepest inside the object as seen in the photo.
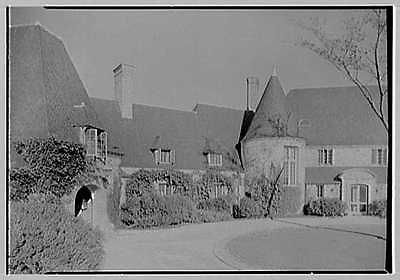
(389, 225)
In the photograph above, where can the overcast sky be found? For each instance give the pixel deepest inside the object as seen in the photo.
(184, 57)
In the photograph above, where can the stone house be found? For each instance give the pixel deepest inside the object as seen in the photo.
(326, 140)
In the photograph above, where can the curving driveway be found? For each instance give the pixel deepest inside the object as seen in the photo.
(296, 243)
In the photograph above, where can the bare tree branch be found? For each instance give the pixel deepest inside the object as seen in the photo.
(361, 48)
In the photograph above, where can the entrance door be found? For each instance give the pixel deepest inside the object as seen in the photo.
(359, 199)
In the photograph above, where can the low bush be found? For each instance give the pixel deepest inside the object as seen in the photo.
(377, 208)
(249, 208)
(326, 207)
(216, 204)
(210, 216)
(151, 210)
(45, 237)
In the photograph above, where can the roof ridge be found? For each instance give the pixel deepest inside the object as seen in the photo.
(163, 108)
(327, 87)
(218, 106)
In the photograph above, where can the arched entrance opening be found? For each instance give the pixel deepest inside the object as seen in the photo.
(83, 198)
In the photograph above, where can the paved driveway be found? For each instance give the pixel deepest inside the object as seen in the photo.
(212, 246)
(312, 247)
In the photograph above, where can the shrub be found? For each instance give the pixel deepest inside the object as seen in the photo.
(249, 208)
(210, 216)
(275, 199)
(216, 204)
(151, 210)
(377, 208)
(326, 207)
(22, 183)
(52, 166)
(290, 201)
(142, 182)
(45, 237)
(209, 179)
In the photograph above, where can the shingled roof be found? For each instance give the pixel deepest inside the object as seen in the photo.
(272, 105)
(336, 116)
(44, 87)
(189, 133)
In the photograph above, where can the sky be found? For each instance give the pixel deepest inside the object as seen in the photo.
(184, 57)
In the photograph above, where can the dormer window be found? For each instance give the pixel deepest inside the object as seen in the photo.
(379, 156)
(164, 156)
(325, 156)
(214, 159)
(95, 141)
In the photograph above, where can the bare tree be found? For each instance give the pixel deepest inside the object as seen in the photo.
(360, 49)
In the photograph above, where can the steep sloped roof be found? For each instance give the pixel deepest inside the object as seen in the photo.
(109, 115)
(272, 104)
(44, 87)
(220, 129)
(174, 129)
(187, 132)
(335, 116)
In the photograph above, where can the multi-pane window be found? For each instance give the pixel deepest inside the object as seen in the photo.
(164, 156)
(290, 165)
(95, 141)
(320, 190)
(220, 190)
(379, 156)
(214, 159)
(165, 189)
(325, 156)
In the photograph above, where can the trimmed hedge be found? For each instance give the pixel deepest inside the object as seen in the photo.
(151, 210)
(45, 237)
(377, 208)
(326, 207)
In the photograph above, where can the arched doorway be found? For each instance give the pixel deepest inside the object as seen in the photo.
(83, 198)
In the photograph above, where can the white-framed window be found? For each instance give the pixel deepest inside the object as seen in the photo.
(214, 159)
(320, 190)
(164, 156)
(290, 165)
(325, 156)
(95, 141)
(379, 156)
(220, 190)
(164, 189)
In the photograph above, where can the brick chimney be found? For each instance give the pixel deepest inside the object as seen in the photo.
(123, 88)
(252, 93)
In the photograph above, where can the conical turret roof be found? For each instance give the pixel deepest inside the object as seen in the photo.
(270, 111)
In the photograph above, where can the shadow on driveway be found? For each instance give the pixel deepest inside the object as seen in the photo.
(333, 229)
